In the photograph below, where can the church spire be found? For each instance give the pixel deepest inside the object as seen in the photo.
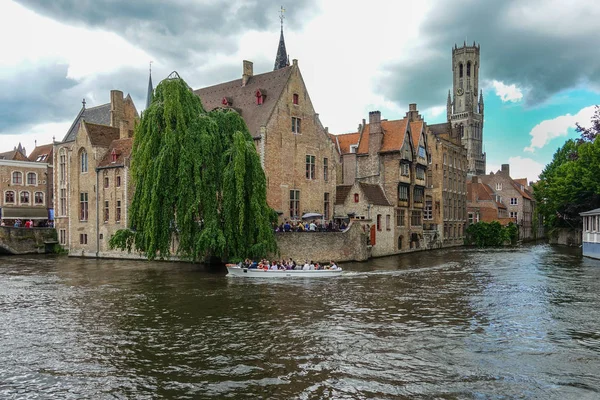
(150, 88)
(281, 60)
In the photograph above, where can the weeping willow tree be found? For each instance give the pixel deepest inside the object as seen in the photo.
(199, 185)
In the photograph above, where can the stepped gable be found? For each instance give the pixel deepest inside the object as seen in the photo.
(96, 115)
(42, 153)
(345, 140)
(393, 136)
(341, 192)
(122, 149)
(374, 194)
(243, 98)
(101, 135)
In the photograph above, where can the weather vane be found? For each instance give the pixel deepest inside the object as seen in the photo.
(281, 16)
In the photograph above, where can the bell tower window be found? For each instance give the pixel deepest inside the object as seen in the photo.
(469, 68)
(460, 70)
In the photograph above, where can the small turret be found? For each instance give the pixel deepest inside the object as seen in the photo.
(449, 106)
(481, 102)
(150, 93)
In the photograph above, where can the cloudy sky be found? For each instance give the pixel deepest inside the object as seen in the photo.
(540, 68)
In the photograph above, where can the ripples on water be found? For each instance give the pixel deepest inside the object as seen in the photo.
(448, 324)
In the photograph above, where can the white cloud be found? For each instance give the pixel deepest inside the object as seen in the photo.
(506, 93)
(549, 129)
(520, 167)
(42, 134)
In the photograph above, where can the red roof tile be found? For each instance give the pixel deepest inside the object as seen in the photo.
(393, 136)
(101, 135)
(122, 149)
(345, 140)
(42, 153)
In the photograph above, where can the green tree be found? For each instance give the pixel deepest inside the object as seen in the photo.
(489, 234)
(199, 185)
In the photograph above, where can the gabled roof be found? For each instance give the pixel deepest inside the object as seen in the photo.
(13, 155)
(518, 188)
(416, 127)
(42, 153)
(393, 136)
(591, 212)
(281, 59)
(122, 148)
(374, 194)
(96, 115)
(101, 135)
(522, 181)
(345, 140)
(341, 192)
(243, 98)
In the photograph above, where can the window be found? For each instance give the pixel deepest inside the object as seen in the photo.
(325, 169)
(514, 214)
(9, 197)
(428, 212)
(83, 238)
(63, 236)
(106, 181)
(118, 181)
(38, 198)
(63, 167)
(63, 201)
(295, 98)
(326, 206)
(415, 218)
(422, 153)
(17, 178)
(310, 167)
(400, 214)
(379, 222)
(260, 97)
(84, 161)
(445, 159)
(470, 218)
(400, 242)
(31, 178)
(356, 197)
(402, 192)
(113, 156)
(118, 213)
(106, 211)
(388, 221)
(405, 169)
(498, 186)
(83, 206)
(294, 203)
(41, 157)
(353, 148)
(513, 201)
(24, 198)
(460, 70)
(420, 173)
(419, 192)
(469, 68)
(295, 125)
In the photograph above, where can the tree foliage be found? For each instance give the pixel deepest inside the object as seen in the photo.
(491, 234)
(570, 183)
(200, 189)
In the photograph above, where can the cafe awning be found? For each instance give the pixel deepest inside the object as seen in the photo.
(24, 213)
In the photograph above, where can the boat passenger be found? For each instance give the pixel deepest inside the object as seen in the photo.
(333, 265)
(274, 265)
(311, 266)
(317, 266)
(306, 266)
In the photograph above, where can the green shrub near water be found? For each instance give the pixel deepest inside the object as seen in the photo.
(491, 234)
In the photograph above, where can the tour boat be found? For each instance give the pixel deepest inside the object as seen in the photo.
(236, 270)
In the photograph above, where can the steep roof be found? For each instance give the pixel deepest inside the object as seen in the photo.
(13, 155)
(341, 192)
(281, 59)
(96, 115)
(345, 140)
(416, 127)
(393, 136)
(522, 181)
(374, 194)
(42, 153)
(122, 148)
(482, 192)
(243, 98)
(518, 188)
(101, 135)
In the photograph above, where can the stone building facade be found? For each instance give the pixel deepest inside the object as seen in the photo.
(484, 205)
(299, 159)
(394, 155)
(446, 203)
(24, 189)
(86, 178)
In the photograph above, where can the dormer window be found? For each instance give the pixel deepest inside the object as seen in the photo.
(260, 96)
(353, 148)
(295, 99)
(113, 156)
(226, 102)
(356, 197)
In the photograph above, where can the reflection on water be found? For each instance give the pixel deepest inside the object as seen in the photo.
(446, 324)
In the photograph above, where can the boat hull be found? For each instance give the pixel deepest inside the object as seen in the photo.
(260, 273)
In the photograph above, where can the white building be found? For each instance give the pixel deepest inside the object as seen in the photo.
(591, 233)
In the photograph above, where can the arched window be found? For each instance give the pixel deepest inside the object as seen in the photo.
(17, 178)
(469, 68)
(38, 198)
(460, 70)
(63, 165)
(9, 196)
(31, 178)
(84, 161)
(24, 197)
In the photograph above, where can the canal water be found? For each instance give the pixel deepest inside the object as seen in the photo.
(459, 323)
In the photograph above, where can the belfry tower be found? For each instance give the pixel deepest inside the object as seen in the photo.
(465, 106)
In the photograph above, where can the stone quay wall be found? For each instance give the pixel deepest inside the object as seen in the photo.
(26, 240)
(565, 237)
(322, 247)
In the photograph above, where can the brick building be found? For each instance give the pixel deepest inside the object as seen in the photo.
(484, 205)
(446, 194)
(91, 176)
(394, 155)
(299, 159)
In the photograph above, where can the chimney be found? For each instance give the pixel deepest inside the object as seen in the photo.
(117, 112)
(123, 129)
(295, 62)
(413, 114)
(506, 169)
(247, 72)
(375, 132)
